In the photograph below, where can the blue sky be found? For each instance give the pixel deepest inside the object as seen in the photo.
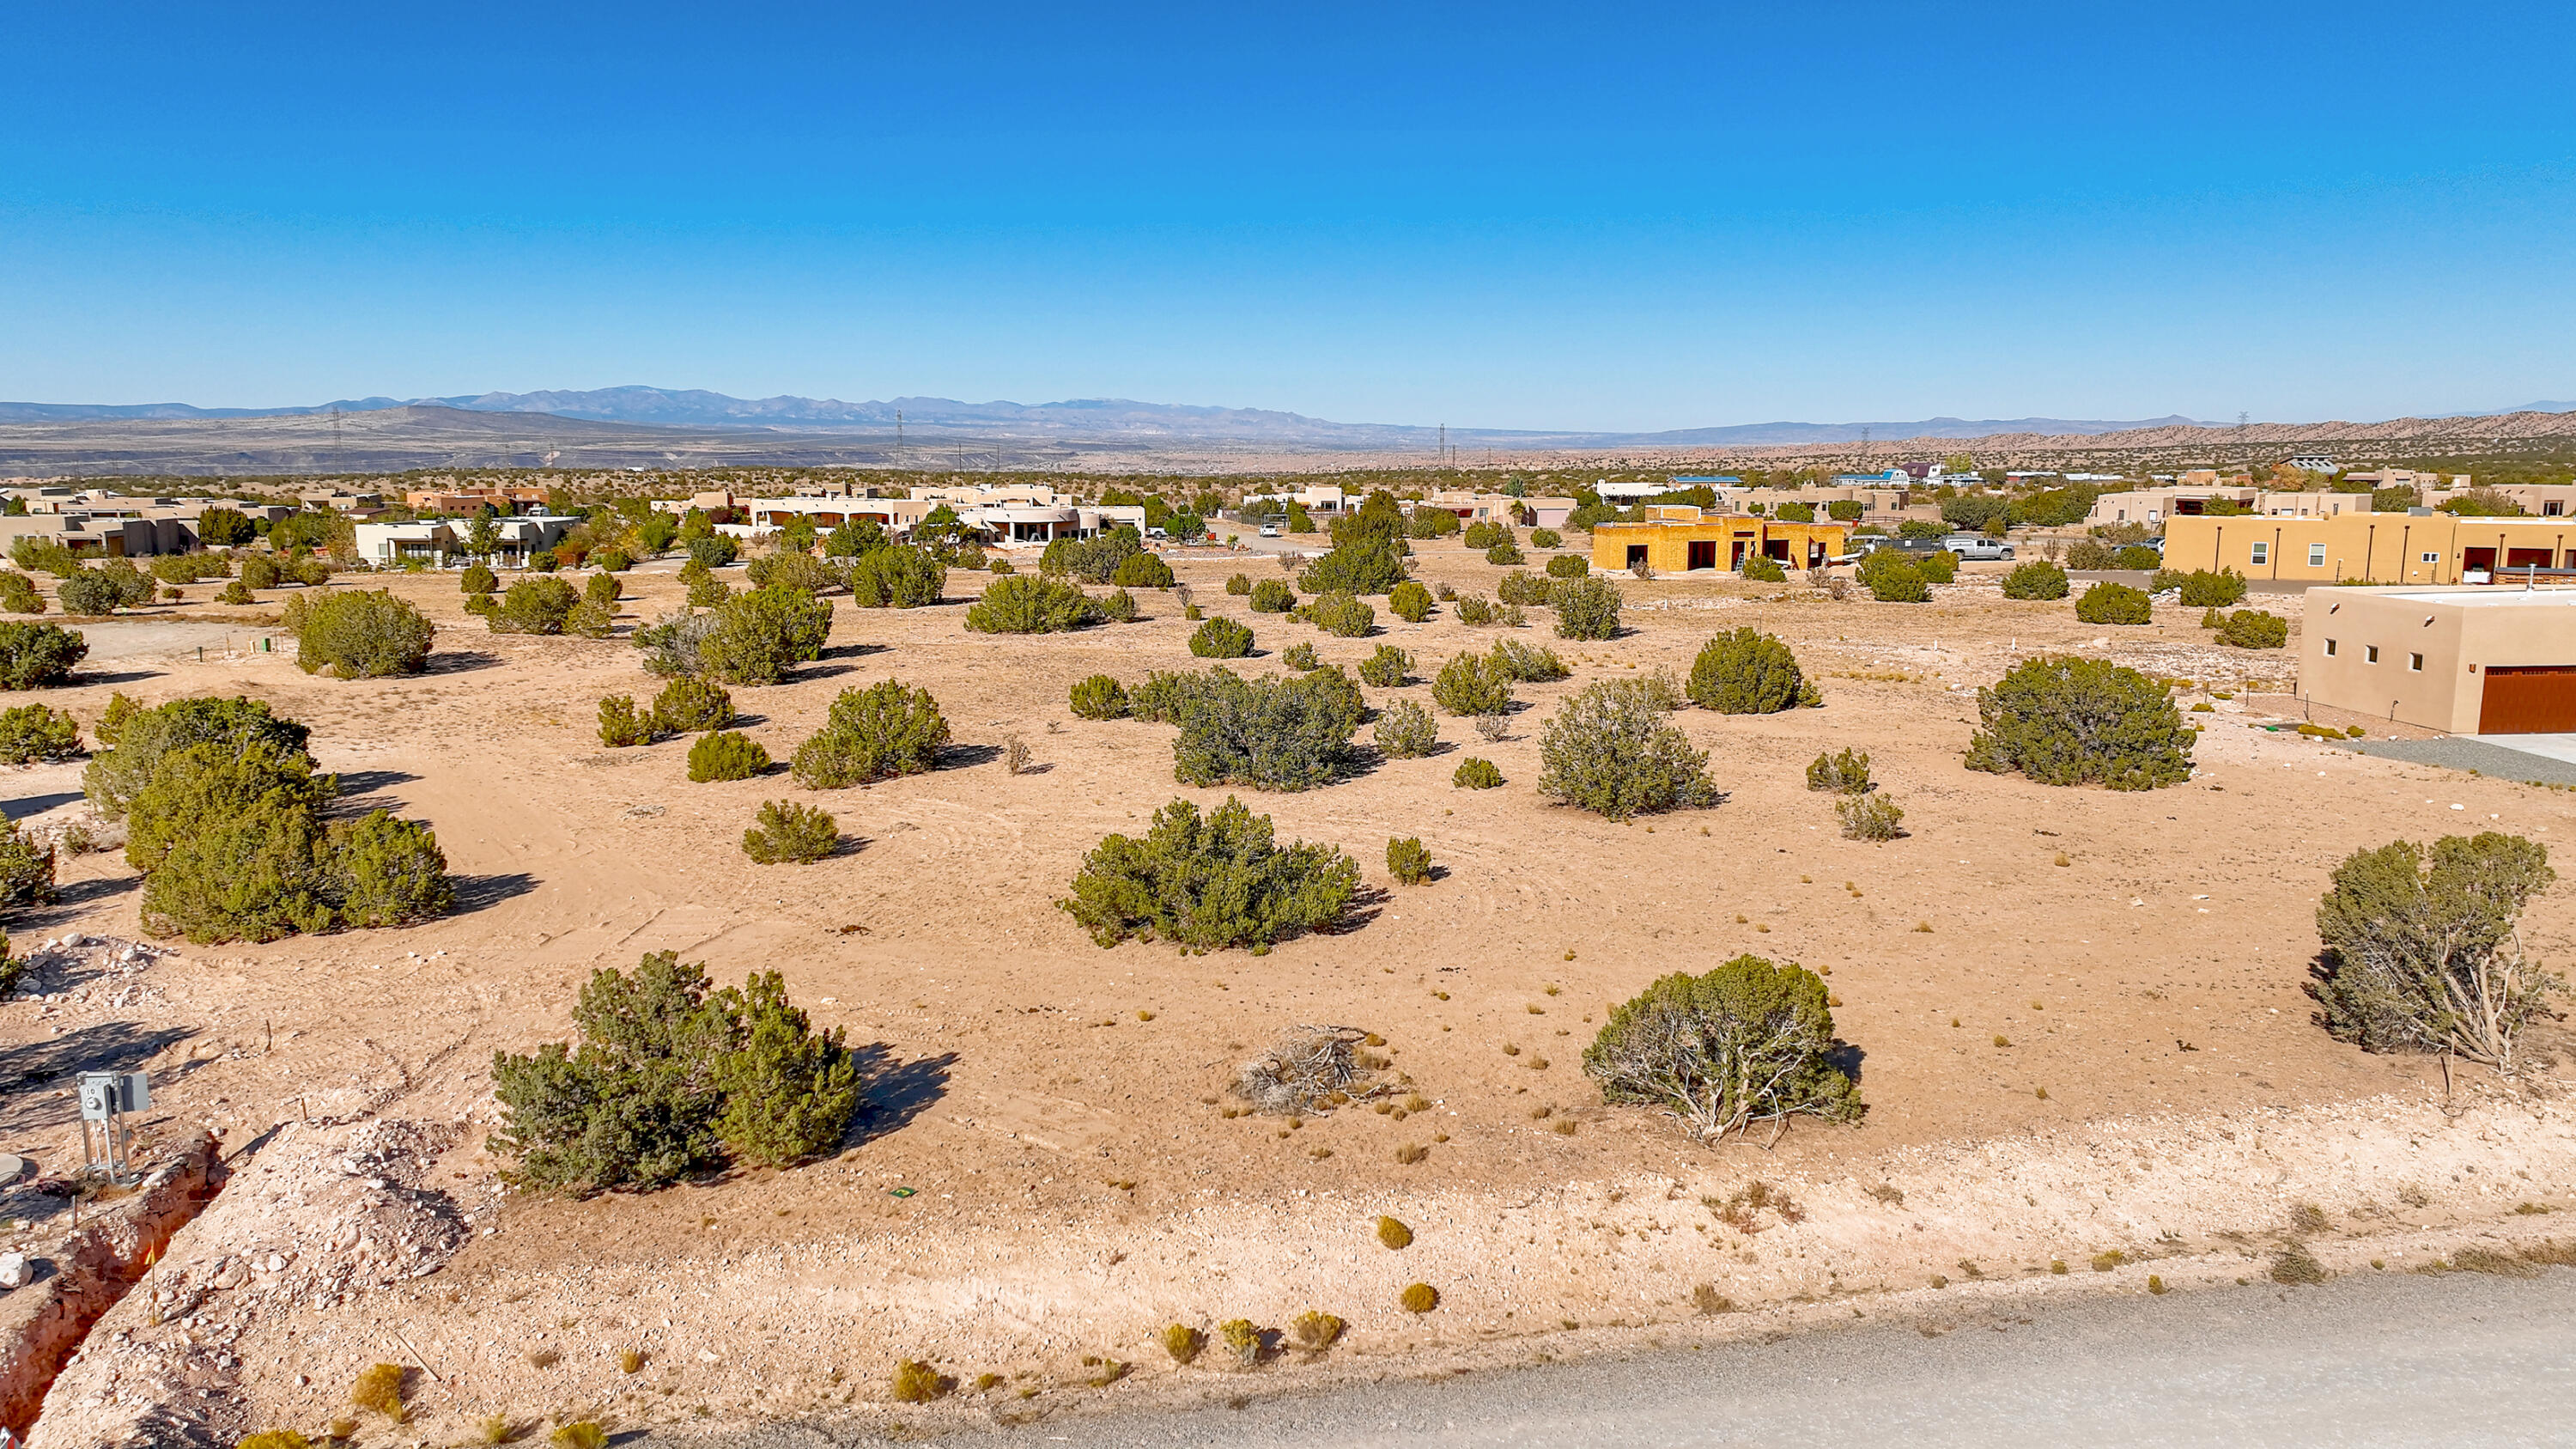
(1492, 215)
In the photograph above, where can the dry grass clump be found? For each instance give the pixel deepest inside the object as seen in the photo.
(494, 1429)
(580, 1434)
(1889, 1194)
(1242, 1339)
(1314, 1331)
(1184, 1343)
(1708, 1300)
(985, 1383)
(2307, 1217)
(1306, 1067)
(1411, 1153)
(276, 1439)
(1111, 1371)
(545, 1358)
(1741, 1209)
(630, 1362)
(1394, 1233)
(2155, 1284)
(1420, 1298)
(380, 1388)
(916, 1382)
(2108, 1259)
(2296, 1266)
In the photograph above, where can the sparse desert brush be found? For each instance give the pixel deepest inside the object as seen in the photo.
(275, 1439)
(1118, 606)
(1520, 587)
(916, 1382)
(1342, 615)
(1405, 731)
(1239, 585)
(689, 705)
(1206, 883)
(1411, 1153)
(1587, 608)
(630, 1362)
(1221, 639)
(2068, 720)
(1475, 773)
(1567, 565)
(1419, 1298)
(494, 1429)
(1749, 1041)
(544, 1358)
(1708, 1300)
(1315, 1331)
(2307, 1217)
(1099, 697)
(2108, 1259)
(786, 831)
(1272, 596)
(1869, 817)
(1242, 1339)
(1609, 750)
(2057, 1266)
(33, 732)
(1394, 1233)
(1302, 657)
(1475, 610)
(1749, 672)
(581, 1433)
(873, 734)
(1410, 602)
(380, 1388)
(1029, 604)
(1846, 773)
(2155, 1284)
(2294, 1265)
(621, 724)
(1408, 861)
(1184, 1343)
(1387, 668)
(2426, 955)
(726, 755)
(986, 1382)
(1527, 663)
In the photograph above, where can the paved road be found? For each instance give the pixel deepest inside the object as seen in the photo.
(2375, 1360)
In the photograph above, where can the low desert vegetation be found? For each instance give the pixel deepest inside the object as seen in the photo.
(1749, 672)
(873, 734)
(1845, 773)
(1612, 750)
(2037, 579)
(895, 578)
(1760, 570)
(1184, 1344)
(752, 638)
(2248, 628)
(1893, 577)
(2068, 720)
(1483, 534)
(1868, 817)
(1032, 604)
(1472, 684)
(1587, 608)
(785, 832)
(1301, 657)
(1409, 601)
(1524, 663)
(2202, 588)
(1099, 697)
(1268, 733)
(1568, 566)
(380, 1388)
(1221, 638)
(532, 606)
(2423, 949)
(26, 879)
(1388, 668)
(1341, 615)
(34, 656)
(1408, 861)
(687, 706)
(1091, 559)
(361, 635)
(622, 725)
(18, 593)
(1546, 538)
(1142, 571)
(1272, 596)
(2110, 603)
(1518, 587)
(726, 755)
(33, 732)
(1405, 731)
(1474, 773)
(1749, 1042)
(1209, 883)
(669, 1079)
(1939, 567)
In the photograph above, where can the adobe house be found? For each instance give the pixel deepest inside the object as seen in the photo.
(2467, 660)
(1686, 540)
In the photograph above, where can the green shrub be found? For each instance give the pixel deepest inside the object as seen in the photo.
(382, 871)
(1418, 1298)
(1846, 773)
(754, 637)
(2202, 589)
(896, 578)
(1587, 608)
(193, 787)
(1430, 523)
(590, 619)
(142, 739)
(2136, 556)
(2109, 603)
(602, 589)
(1520, 587)
(1748, 672)
(1749, 1042)
(685, 706)
(666, 1077)
(1369, 566)
(1119, 607)
(1868, 817)
(1405, 731)
(2426, 955)
(875, 733)
(1610, 750)
(2089, 555)
(1527, 663)
(785, 569)
(621, 724)
(44, 555)
(715, 550)
(1099, 697)
(1301, 657)
(1844, 510)
(2254, 629)
(1342, 616)
(18, 593)
(1271, 596)
(33, 656)
(26, 869)
(1483, 534)
(1221, 639)
(90, 591)
(611, 559)
(1568, 566)
(1506, 553)
(1032, 604)
(1472, 684)
(1269, 733)
(271, 868)
(1939, 568)
(534, 606)
(726, 755)
(1761, 570)
(260, 571)
(362, 635)
(1407, 861)
(1239, 585)
(1475, 610)
(1142, 571)
(1474, 773)
(238, 592)
(33, 732)
(2064, 720)
(1794, 512)
(1163, 695)
(1409, 601)
(1090, 559)
(1547, 538)
(478, 579)
(2037, 579)
(1892, 578)
(1387, 668)
(786, 832)
(1207, 884)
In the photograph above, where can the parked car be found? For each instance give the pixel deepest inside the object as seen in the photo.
(1156, 533)
(1270, 530)
(1977, 547)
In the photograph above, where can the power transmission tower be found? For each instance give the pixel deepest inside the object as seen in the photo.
(898, 437)
(335, 437)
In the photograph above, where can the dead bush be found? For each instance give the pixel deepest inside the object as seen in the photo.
(1297, 1075)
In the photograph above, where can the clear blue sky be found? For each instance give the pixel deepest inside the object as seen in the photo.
(1488, 215)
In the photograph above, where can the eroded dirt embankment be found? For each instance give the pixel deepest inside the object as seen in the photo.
(89, 1269)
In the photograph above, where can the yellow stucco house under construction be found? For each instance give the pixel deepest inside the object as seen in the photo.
(1691, 541)
(2378, 548)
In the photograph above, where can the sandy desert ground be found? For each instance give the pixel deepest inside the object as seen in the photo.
(2078, 1015)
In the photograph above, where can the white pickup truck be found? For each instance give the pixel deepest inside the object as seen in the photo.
(1977, 547)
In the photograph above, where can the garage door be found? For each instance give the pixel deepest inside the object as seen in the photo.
(2528, 699)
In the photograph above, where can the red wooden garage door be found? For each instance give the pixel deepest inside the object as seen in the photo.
(2528, 699)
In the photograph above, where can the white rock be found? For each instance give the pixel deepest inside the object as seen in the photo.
(13, 1270)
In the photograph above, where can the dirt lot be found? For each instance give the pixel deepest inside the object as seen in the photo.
(2085, 1003)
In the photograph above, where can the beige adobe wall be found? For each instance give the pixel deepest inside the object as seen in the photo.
(2456, 640)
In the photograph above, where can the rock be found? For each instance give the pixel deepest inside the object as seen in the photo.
(14, 1272)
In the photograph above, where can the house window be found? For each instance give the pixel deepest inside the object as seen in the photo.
(2330, 648)
(2414, 663)
(2432, 558)
(2316, 555)
(2370, 653)
(2553, 508)
(2262, 553)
